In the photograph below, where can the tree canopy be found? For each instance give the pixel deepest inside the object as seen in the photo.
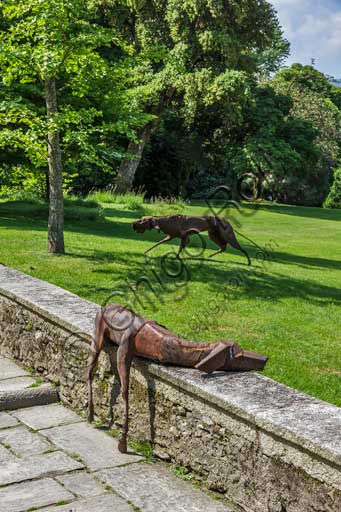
(172, 96)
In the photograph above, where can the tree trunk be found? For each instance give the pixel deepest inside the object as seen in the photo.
(126, 173)
(56, 210)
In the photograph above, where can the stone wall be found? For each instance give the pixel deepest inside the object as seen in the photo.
(265, 446)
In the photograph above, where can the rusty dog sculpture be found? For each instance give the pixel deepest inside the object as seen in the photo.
(137, 336)
(183, 226)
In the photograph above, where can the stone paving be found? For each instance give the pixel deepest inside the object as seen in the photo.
(51, 460)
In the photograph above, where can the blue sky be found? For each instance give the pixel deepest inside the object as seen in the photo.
(313, 28)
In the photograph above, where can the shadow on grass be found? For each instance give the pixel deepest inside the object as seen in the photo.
(240, 280)
(304, 261)
(298, 211)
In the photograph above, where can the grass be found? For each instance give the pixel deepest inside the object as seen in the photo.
(75, 209)
(132, 200)
(39, 381)
(286, 305)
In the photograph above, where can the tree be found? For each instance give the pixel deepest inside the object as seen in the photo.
(56, 48)
(313, 103)
(194, 55)
(279, 148)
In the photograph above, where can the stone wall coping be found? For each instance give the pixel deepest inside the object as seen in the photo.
(309, 424)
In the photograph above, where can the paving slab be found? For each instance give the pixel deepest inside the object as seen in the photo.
(37, 466)
(24, 442)
(152, 488)
(16, 384)
(107, 503)
(7, 421)
(5, 455)
(95, 448)
(27, 495)
(46, 416)
(81, 484)
(9, 370)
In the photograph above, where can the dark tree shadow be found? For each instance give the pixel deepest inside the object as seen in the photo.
(304, 261)
(298, 211)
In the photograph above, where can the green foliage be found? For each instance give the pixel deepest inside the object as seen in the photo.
(65, 40)
(143, 447)
(22, 195)
(30, 207)
(313, 131)
(79, 201)
(304, 78)
(183, 473)
(200, 55)
(79, 213)
(166, 206)
(278, 147)
(335, 95)
(186, 69)
(132, 200)
(333, 199)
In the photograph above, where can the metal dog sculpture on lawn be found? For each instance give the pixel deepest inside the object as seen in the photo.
(136, 336)
(183, 226)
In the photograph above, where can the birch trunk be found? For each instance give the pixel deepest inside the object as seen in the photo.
(56, 209)
(126, 173)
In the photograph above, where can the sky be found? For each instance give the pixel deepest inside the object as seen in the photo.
(313, 28)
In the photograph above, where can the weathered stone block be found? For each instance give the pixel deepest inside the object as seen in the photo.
(23, 442)
(37, 466)
(106, 503)
(45, 417)
(81, 484)
(6, 420)
(28, 495)
(151, 488)
(95, 448)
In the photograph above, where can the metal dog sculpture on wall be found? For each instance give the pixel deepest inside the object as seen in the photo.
(136, 336)
(183, 226)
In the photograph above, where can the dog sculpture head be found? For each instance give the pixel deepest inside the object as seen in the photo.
(144, 223)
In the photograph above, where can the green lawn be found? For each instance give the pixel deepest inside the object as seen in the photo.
(287, 306)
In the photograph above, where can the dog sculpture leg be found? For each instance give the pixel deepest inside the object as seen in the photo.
(218, 252)
(124, 357)
(223, 236)
(214, 236)
(96, 348)
(166, 239)
(185, 239)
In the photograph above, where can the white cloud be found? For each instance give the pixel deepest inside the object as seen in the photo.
(314, 31)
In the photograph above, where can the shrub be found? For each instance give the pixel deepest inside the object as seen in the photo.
(80, 213)
(27, 206)
(79, 201)
(101, 196)
(167, 206)
(23, 195)
(333, 199)
(132, 200)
